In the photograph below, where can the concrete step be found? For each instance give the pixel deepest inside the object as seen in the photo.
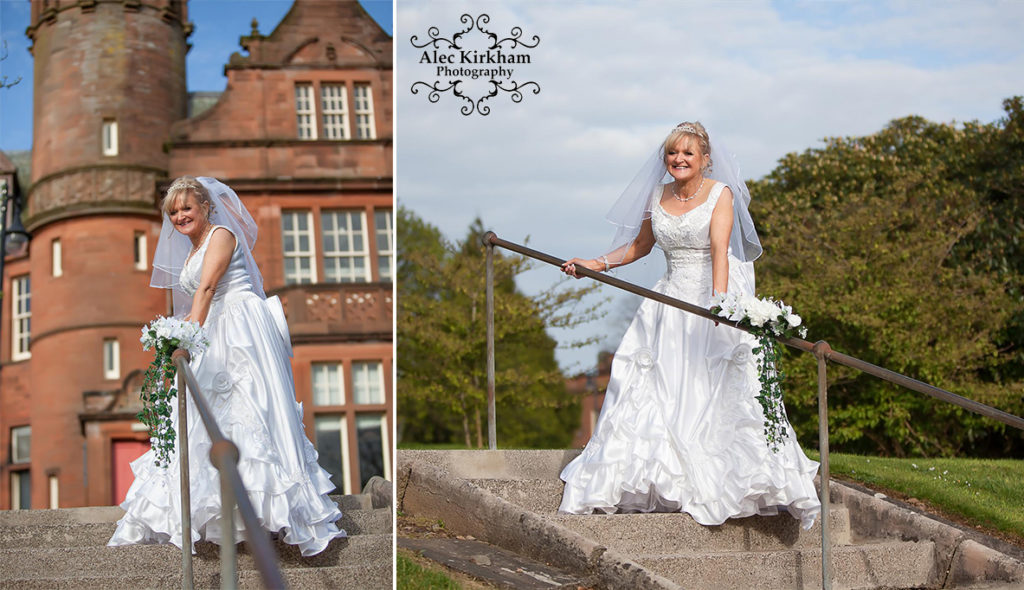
(669, 532)
(87, 515)
(96, 514)
(140, 560)
(355, 522)
(352, 501)
(541, 496)
(368, 576)
(890, 564)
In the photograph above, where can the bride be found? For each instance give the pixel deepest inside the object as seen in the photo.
(205, 256)
(680, 429)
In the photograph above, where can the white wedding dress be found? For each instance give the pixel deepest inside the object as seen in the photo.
(680, 429)
(246, 377)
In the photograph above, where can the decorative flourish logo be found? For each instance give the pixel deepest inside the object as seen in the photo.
(475, 65)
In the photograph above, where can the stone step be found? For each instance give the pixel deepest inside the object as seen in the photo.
(368, 576)
(86, 515)
(890, 564)
(96, 514)
(666, 533)
(669, 532)
(21, 536)
(352, 501)
(138, 560)
(541, 496)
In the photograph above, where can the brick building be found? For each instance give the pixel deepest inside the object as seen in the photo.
(590, 389)
(303, 133)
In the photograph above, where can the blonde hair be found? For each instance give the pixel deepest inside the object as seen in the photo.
(692, 129)
(180, 189)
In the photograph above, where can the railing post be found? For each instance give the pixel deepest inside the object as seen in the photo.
(183, 474)
(220, 453)
(492, 435)
(821, 351)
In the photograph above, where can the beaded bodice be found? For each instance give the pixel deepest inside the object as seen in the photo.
(235, 279)
(686, 241)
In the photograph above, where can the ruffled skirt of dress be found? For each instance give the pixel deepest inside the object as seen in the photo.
(681, 430)
(247, 379)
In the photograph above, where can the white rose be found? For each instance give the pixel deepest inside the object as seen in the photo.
(644, 359)
(741, 354)
(221, 382)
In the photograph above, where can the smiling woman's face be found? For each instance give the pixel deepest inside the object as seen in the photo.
(187, 214)
(685, 160)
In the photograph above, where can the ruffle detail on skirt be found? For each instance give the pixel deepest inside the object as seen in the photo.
(302, 511)
(246, 378)
(681, 430)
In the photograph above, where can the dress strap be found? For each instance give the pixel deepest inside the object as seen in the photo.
(716, 191)
(206, 242)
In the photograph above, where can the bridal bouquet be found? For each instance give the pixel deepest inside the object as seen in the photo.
(164, 336)
(766, 318)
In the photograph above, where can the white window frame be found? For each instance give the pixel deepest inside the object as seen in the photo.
(363, 379)
(21, 318)
(298, 277)
(21, 433)
(388, 234)
(346, 464)
(57, 258)
(55, 492)
(333, 273)
(305, 111)
(362, 98)
(140, 247)
(386, 456)
(109, 137)
(111, 358)
(334, 110)
(328, 384)
(16, 489)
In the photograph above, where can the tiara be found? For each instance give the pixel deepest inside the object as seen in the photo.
(686, 128)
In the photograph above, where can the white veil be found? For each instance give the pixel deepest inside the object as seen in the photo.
(634, 206)
(173, 248)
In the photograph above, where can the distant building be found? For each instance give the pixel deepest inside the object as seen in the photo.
(303, 133)
(590, 389)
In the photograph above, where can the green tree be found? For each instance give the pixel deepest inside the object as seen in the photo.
(892, 248)
(442, 392)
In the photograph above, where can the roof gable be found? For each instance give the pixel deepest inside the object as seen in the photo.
(318, 33)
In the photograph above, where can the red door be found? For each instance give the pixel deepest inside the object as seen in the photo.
(125, 451)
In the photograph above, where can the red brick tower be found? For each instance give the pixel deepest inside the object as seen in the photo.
(109, 82)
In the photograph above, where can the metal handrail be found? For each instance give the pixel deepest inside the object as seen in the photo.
(224, 456)
(821, 350)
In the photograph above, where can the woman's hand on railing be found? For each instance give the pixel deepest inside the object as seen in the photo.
(569, 266)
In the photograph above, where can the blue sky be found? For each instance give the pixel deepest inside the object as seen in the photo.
(218, 26)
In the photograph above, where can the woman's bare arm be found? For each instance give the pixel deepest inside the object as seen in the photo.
(721, 230)
(215, 264)
(637, 249)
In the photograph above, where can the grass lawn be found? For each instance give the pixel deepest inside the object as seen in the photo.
(985, 492)
(413, 576)
(418, 573)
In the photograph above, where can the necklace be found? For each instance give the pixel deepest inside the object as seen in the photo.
(689, 198)
(202, 237)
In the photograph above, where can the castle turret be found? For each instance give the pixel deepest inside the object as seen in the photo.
(109, 82)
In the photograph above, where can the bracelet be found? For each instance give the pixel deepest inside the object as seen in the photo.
(604, 259)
